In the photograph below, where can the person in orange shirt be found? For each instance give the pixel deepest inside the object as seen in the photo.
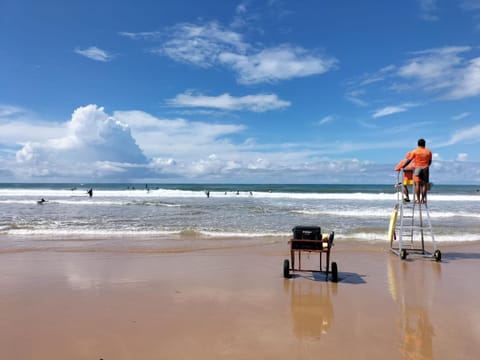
(407, 176)
(422, 158)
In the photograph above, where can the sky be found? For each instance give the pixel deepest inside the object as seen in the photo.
(246, 91)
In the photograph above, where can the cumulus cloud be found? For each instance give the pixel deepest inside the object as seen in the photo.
(95, 53)
(256, 103)
(93, 143)
(134, 145)
(211, 44)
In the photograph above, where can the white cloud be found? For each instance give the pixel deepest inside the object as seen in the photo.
(433, 64)
(462, 157)
(178, 138)
(212, 45)
(357, 88)
(13, 133)
(444, 70)
(470, 135)
(390, 110)
(17, 126)
(327, 119)
(461, 116)
(451, 73)
(468, 83)
(257, 103)
(95, 53)
(470, 5)
(473, 7)
(279, 63)
(141, 35)
(241, 15)
(428, 9)
(353, 97)
(92, 143)
(200, 45)
(135, 145)
(9, 111)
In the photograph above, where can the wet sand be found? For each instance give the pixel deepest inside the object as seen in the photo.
(234, 303)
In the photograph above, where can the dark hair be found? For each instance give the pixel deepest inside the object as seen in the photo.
(421, 142)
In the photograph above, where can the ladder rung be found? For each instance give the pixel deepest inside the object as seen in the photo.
(416, 227)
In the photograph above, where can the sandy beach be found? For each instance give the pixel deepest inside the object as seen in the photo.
(232, 302)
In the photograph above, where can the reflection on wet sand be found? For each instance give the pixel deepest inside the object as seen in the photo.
(310, 307)
(414, 303)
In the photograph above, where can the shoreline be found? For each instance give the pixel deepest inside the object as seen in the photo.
(234, 302)
(183, 244)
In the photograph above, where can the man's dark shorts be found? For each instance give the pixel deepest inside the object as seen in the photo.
(422, 173)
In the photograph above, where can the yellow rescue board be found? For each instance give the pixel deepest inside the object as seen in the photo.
(393, 223)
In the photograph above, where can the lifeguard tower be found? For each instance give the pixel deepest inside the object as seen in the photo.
(410, 226)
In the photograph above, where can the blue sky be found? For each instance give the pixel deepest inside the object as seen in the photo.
(238, 91)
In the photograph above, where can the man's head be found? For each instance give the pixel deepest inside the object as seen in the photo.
(421, 142)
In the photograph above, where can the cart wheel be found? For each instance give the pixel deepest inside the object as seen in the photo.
(286, 269)
(437, 255)
(334, 272)
(403, 254)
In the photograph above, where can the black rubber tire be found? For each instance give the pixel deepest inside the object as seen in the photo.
(286, 269)
(437, 255)
(403, 254)
(334, 272)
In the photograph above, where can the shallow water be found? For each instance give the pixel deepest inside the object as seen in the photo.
(184, 212)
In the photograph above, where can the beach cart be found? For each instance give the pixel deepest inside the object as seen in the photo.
(308, 240)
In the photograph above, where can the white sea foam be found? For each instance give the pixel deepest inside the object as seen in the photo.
(358, 236)
(167, 193)
(382, 237)
(381, 213)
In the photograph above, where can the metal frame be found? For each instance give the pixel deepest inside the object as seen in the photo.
(414, 228)
(319, 246)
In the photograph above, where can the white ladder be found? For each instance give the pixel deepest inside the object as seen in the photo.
(414, 226)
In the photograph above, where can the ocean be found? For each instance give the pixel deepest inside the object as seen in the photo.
(147, 214)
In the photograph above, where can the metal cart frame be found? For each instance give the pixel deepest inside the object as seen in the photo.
(308, 239)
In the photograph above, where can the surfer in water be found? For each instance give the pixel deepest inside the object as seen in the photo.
(41, 201)
(90, 192)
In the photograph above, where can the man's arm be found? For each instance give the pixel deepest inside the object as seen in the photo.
(406, 163)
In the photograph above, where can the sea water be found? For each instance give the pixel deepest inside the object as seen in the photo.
(218, 211)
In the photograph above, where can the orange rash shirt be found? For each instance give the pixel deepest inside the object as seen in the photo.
(421, 156)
